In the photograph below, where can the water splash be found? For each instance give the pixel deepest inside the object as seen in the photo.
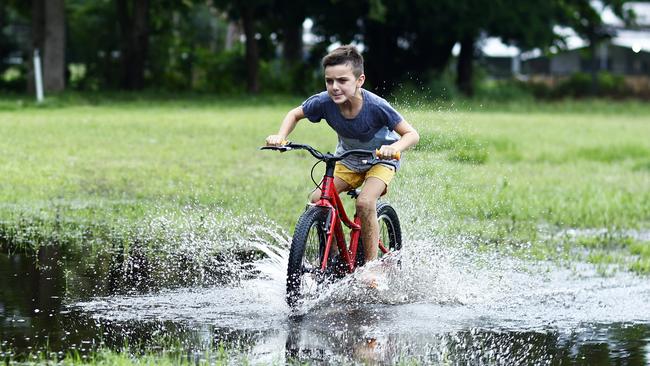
(454, 279)
(439, 299)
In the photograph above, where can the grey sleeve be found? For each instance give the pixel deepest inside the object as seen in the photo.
(313, 108)
(391, 116)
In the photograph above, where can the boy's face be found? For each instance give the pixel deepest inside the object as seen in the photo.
(341, 83)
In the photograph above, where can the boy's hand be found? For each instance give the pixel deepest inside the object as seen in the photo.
(388, 152)
(276, 140)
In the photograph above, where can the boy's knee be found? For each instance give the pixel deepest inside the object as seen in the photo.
(365, 204)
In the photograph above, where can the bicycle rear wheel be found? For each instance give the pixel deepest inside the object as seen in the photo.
(304, 273)
(390, 231)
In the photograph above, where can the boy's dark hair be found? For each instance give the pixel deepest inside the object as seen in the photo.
(347, 54)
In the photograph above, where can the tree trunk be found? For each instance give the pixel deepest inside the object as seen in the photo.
(465, 66)
(38, 32)
(3, 22)
(381, 74)
(292, 51)
(252, 52)
(593, 47)
(134, 26)
(54, 46)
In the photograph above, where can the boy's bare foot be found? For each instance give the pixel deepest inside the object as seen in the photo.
(370, 276)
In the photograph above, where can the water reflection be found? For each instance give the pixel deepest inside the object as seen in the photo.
(359, 338)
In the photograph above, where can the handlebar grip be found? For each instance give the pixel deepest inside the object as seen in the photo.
(396, 156)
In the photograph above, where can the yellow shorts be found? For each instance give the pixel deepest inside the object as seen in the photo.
(355, 180)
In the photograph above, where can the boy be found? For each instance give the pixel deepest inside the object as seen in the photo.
(362, 120)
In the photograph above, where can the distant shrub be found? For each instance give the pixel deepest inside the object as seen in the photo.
(13, 79)
(443, 86)
(612, 85)
(579, 85)
(220, 72)
(504, 90)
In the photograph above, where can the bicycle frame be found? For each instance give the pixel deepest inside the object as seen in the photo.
(330, 198)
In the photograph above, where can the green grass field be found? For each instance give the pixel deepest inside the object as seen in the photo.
(90, 171)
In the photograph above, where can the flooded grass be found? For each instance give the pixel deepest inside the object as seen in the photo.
(102, 356)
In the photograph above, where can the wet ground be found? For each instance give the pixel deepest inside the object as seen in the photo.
(442, 303)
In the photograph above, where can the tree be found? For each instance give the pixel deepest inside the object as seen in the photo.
(133, 17)
(247, 11)
(250, 13)
(406, 38)
(531, 25)
(585, 19)
(403, 38)
(292, 14)
(54, 46)
(48, 36)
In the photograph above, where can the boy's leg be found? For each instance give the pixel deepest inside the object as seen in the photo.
(339, 184)
(367, 211)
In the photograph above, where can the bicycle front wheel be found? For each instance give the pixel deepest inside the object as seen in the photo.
(304, 273)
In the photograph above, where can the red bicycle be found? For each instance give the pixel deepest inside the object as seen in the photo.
(310, 260)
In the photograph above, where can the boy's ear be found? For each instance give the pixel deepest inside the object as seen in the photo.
(360, 80)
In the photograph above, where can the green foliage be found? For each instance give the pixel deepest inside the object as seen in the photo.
(93, 41)
(220, 72)
(579, 85)
(403, 40)
(503, 90)
(13, 79)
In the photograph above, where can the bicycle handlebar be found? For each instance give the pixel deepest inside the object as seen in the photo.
(320, 156)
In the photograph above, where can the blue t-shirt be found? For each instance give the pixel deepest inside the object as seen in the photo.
(369, 130)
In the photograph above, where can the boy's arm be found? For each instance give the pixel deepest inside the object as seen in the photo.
(409, 137)
(288, 124)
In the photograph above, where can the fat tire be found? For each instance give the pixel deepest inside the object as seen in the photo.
(313, 217)
(387, 212)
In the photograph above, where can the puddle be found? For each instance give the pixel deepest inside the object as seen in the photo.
(445, 303)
